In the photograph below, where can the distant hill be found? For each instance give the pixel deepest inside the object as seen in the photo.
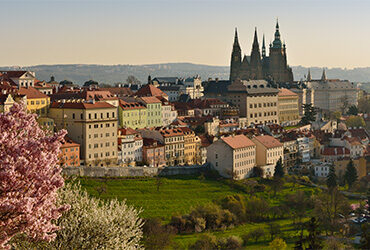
(79, 73)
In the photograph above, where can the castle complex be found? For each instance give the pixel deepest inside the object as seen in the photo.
(258, 65)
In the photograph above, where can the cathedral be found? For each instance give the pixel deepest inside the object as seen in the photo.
(258, 65)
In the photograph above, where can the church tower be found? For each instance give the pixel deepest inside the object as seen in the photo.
(255, 62)
(236, 58)
(278, 68)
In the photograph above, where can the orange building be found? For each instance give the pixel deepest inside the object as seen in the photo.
(69, 153)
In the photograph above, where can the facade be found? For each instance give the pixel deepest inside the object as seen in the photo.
(233, 156)
(132, 115)
(269, 150)
(288, 107)
(153, 153)
(258, 65)
(329, 95)
(256, 101)
(290, 152)
(130, 146)
(173, 140)
(69, 154)
(6, 102)
(37, 102)
(169, 113)
(191, 144)
(153, 111)
(340, 166)
(150, 90)
(193, 87)
(92, 125)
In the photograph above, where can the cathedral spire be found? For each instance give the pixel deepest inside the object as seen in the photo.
(277, 42)
(309, 78)
(255, 45)
(236, 40)
(263, 46)
(323, 77)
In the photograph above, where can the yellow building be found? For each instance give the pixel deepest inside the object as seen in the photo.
(132, 115)
(288, 107)
(190, 146)
(37, 102)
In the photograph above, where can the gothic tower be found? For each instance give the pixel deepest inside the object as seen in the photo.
(255, 62)
(236, 58)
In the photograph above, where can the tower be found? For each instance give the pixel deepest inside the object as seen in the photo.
(309, 78)
(255, 62)
(263, 47)
(323, 77)
(236, 58)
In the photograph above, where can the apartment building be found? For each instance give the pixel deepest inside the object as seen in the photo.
(288, 107)
(269, 150)
(153, 153)
(130, 145)
(255, 100)
(153, 111)
(173, 139)
(132, 115)
(233, 156)
(191, 142)
(69, 153)
(91, 124)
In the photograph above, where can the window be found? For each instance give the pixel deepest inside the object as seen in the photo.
(73, 116)
(96, 116)
(101, 115)
(81, 116)
(107, 125)
(112, 114)
(107, 114)
(89, 116)
(107, 134)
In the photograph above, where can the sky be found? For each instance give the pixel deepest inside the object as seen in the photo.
(324, 33)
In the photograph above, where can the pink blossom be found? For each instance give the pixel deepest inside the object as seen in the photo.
(29, 177)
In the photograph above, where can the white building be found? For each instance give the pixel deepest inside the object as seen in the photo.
(193, 87)
(304, 149)
(130, 146)
(233, 156)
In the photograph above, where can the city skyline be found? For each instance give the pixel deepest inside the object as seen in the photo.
(317, 33)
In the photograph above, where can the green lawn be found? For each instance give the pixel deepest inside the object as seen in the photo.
(179, 194)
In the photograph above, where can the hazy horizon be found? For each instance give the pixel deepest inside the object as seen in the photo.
(328, 33)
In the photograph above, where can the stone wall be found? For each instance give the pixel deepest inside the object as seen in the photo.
(130, 171)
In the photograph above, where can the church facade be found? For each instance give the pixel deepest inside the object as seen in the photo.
(258, 65)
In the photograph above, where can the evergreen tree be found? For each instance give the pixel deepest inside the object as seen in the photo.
(352, 110)
(309, 114)
(279, 171)
(351, 174)
(313, 239)
(331, 180)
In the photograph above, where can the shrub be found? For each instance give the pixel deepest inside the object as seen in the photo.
(206, 242)
(156, 236)
(256, 209)
(256, 234)
(232, 242)
(236, 205)
(277, 244)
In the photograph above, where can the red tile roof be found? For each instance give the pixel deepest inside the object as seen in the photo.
(171, 132)
(31, 93)
(81, 105)
(150, 90)
(268, 141)
(130, 105)
(238, 141)
(14, 73)
(335, 151)
(286, 92)
(150, 99)
(69, 143)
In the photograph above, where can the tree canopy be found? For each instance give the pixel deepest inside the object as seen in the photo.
(309, 114)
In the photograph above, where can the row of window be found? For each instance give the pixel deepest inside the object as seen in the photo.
(101, 135)
(265, 104)
(95, 115)
(243, 155)
(265, 114)
(107, 125)
(96, 145)
(37, 102)
(96, 155)
(243, 163)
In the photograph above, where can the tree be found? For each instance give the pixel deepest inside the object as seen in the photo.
(93, 224)
(206, 242)
(364, 105)
(299, 204)
(336, 115)
(352, 110)
(277, 184)
(258, 171)
(355, 121)
(158, 182)
(279, 171)
(331, 180)
(29, 177)
(327, 207)
(274, 229)
(132, 80)
(313, 239)
(91, 83)
(257, 234)
(309, 114)
(345, 103)
(278, 244)
(199, 130)
(351, 174)
(65, 82)
(156, 236)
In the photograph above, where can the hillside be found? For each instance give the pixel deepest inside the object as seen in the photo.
(79, 73)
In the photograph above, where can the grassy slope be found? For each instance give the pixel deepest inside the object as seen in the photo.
(178, 195)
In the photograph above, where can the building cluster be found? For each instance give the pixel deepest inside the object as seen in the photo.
(251, 120)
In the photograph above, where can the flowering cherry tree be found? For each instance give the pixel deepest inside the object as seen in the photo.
(29, 177)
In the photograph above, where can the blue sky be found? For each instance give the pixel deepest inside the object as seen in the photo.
(330, 33)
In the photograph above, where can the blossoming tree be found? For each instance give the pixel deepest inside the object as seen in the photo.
(29, 177)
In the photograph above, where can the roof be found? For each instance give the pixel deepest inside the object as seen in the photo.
(31, 93)
(335, 151)
(149, 142)
(238, 141)
(130, 105)
(127, 131)
(68, 143)
(150, 90)
(14, 73)
(171, 132)
(150, 99)
(353, 140)
(286, 92)
(186, 130)
(166, 79)
(81, 105)
(119, 91)
(268, 141)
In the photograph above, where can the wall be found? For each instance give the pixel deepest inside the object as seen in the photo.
(130, 171)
